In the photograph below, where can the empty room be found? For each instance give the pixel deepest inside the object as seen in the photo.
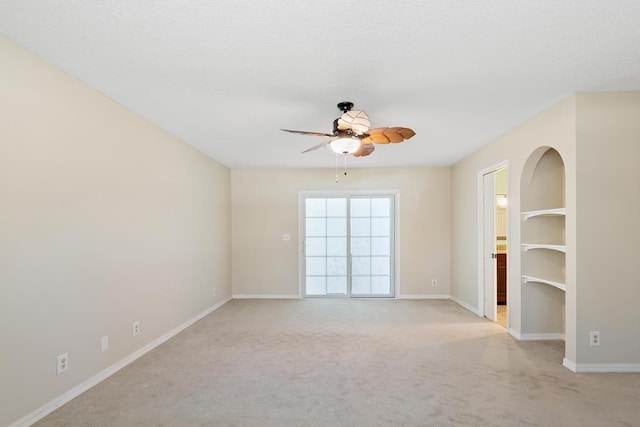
(343, 213)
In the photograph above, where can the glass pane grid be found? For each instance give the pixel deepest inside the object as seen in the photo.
(370, 224)
(371, 246)
(325, 246)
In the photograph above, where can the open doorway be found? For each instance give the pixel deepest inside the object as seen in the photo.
(493, 243)
(501, 202)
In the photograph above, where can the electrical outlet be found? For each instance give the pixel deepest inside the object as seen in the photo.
(594, 338)
(434, 283)
(62, 363)
(286, 237)
(214, 292)
(136, 328)
(104, 343)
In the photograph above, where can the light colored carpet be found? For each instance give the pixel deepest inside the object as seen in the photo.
(341, 362)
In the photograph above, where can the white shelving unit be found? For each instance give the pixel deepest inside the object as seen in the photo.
(543, 244)
(529, 246)
(543, 212)
(558, 285)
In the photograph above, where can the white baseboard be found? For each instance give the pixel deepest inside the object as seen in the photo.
(293, 296)
(465, 305)
(46, 409)
(541, 337)
(425, 296)
(601, 367)
(265, 296)
(514, 333)
(570, 365)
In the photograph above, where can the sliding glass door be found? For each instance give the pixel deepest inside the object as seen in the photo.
(370, 242)
(348, 246)
(325, 246)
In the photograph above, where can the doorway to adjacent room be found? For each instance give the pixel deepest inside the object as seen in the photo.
(493, 233)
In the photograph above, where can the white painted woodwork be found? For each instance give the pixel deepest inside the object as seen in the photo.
(489, 208)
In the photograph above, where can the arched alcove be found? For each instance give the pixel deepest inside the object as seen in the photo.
(542, 192)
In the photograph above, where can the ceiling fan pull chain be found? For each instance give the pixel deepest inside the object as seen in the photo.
(345, 164)
(336, 168)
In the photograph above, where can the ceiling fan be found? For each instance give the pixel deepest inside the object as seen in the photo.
(352, 135)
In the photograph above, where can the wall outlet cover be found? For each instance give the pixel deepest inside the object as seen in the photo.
(62, 363)
(104, 343)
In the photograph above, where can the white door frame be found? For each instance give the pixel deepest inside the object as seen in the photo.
(480, 210)
(489, 246)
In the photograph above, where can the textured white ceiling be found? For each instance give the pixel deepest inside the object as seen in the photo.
(226, 75)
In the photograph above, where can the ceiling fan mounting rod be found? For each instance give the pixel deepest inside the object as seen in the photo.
(345, 106)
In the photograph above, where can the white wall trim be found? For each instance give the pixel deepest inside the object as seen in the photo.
(46, 409)
(424, 296)
(265, 296)
(569, 364)
(536, 337)
(301, 242)
(541, 337)
(467, 306)
(514, 333)
(601, 367)
(293, 296)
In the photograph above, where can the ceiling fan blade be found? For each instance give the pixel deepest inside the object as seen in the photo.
(357, 121)
(387, 135)
(364, 150)
(302, 132)
(315, 147)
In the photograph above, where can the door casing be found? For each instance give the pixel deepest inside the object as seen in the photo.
(488, 249)
(481, 236)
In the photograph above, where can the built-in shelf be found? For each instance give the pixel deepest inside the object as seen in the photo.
(529, 246)
(543, 241)
(557, 212)
(558, 285)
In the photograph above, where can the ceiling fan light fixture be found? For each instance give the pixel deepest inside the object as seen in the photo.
(345, 145)
(353, 135)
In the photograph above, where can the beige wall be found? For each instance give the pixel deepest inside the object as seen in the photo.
(265, 206)
(608, 228)
(554, 127)
(105, 220)
(597, 137)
